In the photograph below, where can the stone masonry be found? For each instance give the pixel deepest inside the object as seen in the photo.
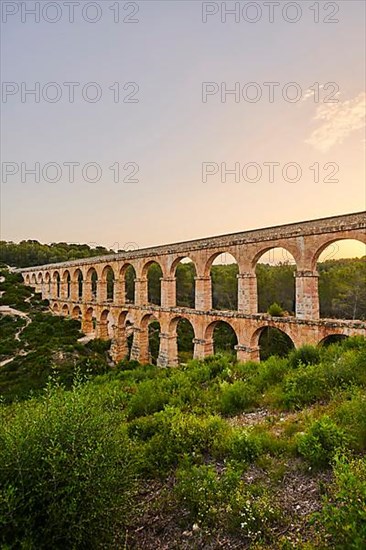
(79, 289)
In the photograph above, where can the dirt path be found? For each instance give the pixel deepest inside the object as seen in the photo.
(7, 310)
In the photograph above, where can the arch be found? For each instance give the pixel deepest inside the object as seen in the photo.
(272, 341)
(342, 289)
(147, 265)
(66, 279)
(128, 278)
(65, 310)
(147, 319)
(90, 314)
(332, 339)
(153, 272)
(224, 273)
(106, 325)
(275, 269)
(108, 277)
(92, 278)
(126, 322)
(151, 326)
(184, 270)
(47, 281)
(57, 281)
(214, 258)
(76, 313)
(33, 280)
(359, 237)
(177, 261)
(89, 322)
(40, 278)
(55, 308)
(27, 279)
(222, 337)
(120, 346)
(122, 319)
(78, 280)
(277, 255)
(183, 329)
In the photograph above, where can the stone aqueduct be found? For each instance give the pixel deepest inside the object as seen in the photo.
(79, 289)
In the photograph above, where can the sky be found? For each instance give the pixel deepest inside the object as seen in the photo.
(180, 120)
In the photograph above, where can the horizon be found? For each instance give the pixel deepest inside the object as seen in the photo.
(340, 249)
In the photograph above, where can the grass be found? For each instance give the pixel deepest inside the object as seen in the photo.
(214, 453)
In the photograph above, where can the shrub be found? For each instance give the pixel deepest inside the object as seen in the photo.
(224, 500)
(65, 472)
(343, 516)
(127, 365)
(305, 385)
(237, 397)
(319, 444)
(175, 436)
(347, 369)
(145, 427)
(99, 346)
(270, 372)
(354, 342)
(244, 446)
(306, 355)
(199, 490)
(351, 415)
(275, 310)
(151, 396)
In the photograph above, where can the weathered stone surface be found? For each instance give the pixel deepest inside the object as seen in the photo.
(112, 318)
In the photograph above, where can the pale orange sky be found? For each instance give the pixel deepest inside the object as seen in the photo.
(170, 132)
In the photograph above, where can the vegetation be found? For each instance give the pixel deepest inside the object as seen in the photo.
(212, 454)
(40, 344)
(275, 310)
(30, 253)
(66, 471)
(80, 467)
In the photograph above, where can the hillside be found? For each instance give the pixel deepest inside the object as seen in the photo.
(213, 454)
(35, 344)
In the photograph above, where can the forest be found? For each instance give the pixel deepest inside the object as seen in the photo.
(212, 454)
(31, 252)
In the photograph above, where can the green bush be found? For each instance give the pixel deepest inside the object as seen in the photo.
(244, 446)
(145, 427)
(347, 368)
(172, 436)
(306, 355)
(65, 472)
(198, 488)
(269, 373)
(304, 386)
(275, 310)
(343, 516)
(151, 396)
(237, 397)
(99, 346)
(351, 415)
(339, 369)
(224, 500)
(320, 443)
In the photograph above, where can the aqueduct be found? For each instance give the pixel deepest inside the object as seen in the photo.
(94, 290)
